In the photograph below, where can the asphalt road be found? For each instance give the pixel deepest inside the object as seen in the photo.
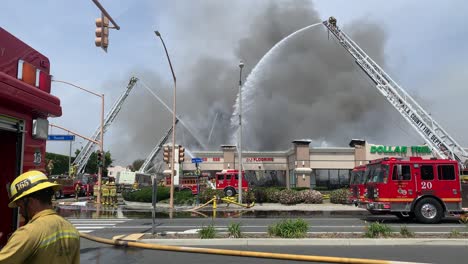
(110, 224)
(92, 252)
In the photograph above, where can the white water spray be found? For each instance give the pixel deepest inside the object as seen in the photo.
(170, 110)
(256, 75)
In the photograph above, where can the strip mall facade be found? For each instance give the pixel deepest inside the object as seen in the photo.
(301, 165)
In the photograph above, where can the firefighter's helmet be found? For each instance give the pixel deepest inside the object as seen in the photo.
(27, 183)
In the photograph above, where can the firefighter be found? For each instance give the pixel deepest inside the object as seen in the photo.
(112, 193)
(105, 193)
(77, 191)
(95, 192)
(332, 21)
(46, 237)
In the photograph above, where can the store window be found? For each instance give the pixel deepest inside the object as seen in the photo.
(331, 178)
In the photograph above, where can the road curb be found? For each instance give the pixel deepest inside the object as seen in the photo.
(308, 242)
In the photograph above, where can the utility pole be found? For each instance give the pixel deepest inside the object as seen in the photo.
(241, 65)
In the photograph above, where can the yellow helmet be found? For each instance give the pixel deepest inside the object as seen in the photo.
(27, 183)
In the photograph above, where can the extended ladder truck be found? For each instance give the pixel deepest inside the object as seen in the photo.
(145, 167)
(425, 189)
(83, 157)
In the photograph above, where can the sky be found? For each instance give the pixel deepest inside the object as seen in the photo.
(310, 87)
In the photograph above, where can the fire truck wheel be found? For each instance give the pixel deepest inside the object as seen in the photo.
(58, 194)
(229, 191)
(428, 211)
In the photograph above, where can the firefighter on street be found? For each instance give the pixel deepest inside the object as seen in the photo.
(112, 192)
(77, 191)
(105, 193)
(46, 237)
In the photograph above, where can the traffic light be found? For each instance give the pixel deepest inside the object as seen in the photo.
(167, 154)
(181, 154)
(100, 159)
(102, 32)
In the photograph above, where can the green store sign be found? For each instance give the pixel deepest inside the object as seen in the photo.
(400, 149)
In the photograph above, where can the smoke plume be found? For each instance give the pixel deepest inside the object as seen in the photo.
(311, 89)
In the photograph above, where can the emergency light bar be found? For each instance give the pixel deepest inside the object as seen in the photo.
(29, 74)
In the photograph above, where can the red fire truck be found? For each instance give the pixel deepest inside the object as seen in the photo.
(357, 184)
(226, 180)
(427, 189)
(190, 183)
(25, 105)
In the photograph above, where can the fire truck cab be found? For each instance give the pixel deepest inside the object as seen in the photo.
(356, 184)
(427, 189)
(25, 105)
(228, 181)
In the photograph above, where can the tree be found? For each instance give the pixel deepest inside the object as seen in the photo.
(136, 164)
(60, 163)
(92, 167)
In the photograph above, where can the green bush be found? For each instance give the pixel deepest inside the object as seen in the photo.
(273, 194)
(377, 229)
(454, 233)
(207, 232)
(290, 197)
(260, 194)
(248, 196)
(207, 194)
(144, 194)
(289, 228)
(234, 230)
(184, 197)
(340, 196)
(405, 232)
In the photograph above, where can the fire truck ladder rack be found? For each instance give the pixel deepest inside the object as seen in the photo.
(83, 156)
(156, 150)
(441, 143)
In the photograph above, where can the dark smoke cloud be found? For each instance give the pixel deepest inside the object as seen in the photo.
(312, 88)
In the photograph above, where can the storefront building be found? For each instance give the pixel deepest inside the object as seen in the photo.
(301, 165)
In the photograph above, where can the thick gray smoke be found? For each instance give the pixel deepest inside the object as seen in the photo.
(312, 89)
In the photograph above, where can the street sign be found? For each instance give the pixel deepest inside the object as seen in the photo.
(197, 160)
(61, 137)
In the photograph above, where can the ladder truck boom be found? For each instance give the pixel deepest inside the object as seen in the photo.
(83, 157)
(441, 143)
(156, 150)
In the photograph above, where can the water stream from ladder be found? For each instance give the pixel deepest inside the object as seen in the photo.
(180, 120)
(256, 75)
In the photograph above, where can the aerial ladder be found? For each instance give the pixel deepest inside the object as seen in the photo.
(156, 150)
(82, 159)
(440, 142)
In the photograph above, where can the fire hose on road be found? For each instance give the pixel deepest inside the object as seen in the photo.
(238, 253)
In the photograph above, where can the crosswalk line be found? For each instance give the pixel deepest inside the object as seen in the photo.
(88, 225)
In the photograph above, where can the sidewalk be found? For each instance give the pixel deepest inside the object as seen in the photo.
(325, 207)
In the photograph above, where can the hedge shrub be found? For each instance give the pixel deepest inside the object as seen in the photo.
(340, 196)
(289, 197)
(311, 197)
(144, 194)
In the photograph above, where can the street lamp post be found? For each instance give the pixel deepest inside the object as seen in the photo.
(101, 140)
(171, 200)
(241, 65)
